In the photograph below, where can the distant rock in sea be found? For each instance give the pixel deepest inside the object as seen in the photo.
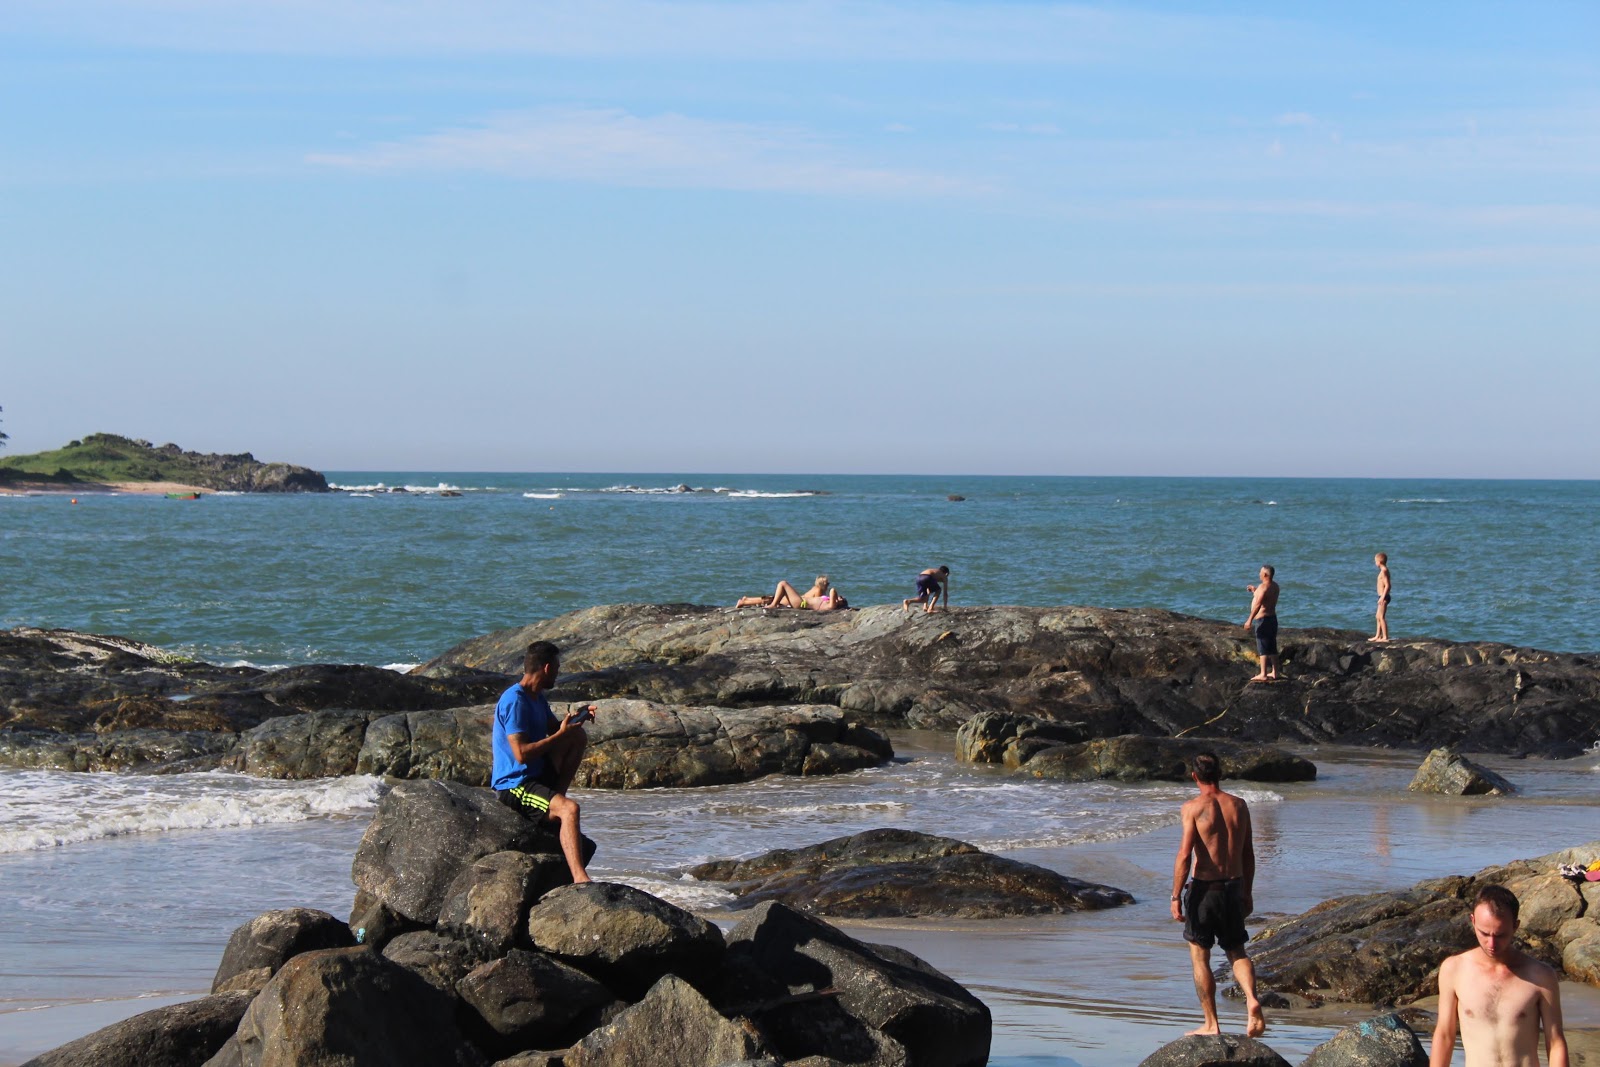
(107, 459)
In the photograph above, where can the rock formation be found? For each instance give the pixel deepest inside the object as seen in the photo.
(1056, 750)
(1445, 771)
(891, 873)
(1385, 948)
(1149, 672)
(475, 948)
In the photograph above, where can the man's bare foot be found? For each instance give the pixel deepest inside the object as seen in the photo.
(1274, 677)
(1257, 1024)
(1204, 1031)
(1261, 678)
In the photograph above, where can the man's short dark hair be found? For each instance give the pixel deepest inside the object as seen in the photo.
(538, 656)
(1501, 901)
(1208, 768)
(944, 570)
(1270, 569)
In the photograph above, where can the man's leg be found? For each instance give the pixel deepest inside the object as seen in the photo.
(1244, 972)
(565, 757)
(1205, 988)
(565, 812)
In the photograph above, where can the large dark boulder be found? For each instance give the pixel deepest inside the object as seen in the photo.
(1214, 1050)
(438, 958)
(1385, 1041)
(179, 1035)
(1103, 672)
(348, 1007)
(424, 833)
(889, 873)
(526, 1000)
(782, 962)
(488, 901)
(451, 743)
(624, 936)
(673, 1024)
(1445, 771)
(318, 744)
(1135, 758)
(259, 947)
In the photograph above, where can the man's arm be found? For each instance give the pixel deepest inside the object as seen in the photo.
(1260, 594)
(524, 751)
(1444, 1033)
(1247, 857)
(1555, 1039)
(1180, 866)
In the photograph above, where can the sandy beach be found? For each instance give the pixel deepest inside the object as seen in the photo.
(84, 488)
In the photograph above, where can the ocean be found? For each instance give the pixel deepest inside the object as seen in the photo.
(122, 890)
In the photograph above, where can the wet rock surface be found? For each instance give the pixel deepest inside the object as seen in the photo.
(890, 873)
(1384, 1041)
(67, 699)
(1214, 1050)
(1447, 772)
(1029, 745)
(179, 1035)
(1385, 948)
(1112, 672)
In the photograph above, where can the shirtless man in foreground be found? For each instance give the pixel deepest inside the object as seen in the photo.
(1264, 614)
(1498, 996)
(1217, 857)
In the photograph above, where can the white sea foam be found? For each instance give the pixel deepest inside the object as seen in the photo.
(48, 809)
(400, 668)
(1420, 500)
(544, 496)
(686, 892)
(756, 493)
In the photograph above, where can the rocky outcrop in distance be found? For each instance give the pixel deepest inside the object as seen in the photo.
(1385, 948)
(892, 873)
(1111, 672)
(1047, 749)
(110, 458)
(475, 948)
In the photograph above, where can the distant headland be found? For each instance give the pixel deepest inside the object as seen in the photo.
(106, 461)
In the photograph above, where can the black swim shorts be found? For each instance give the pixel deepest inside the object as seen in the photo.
(532, 797)
(927, 584)
(1213, 913)
(1267, 635)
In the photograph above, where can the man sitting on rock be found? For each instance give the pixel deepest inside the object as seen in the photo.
(1497, 995)
(535, 756)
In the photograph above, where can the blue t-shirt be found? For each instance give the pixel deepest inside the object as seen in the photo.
(518, 713)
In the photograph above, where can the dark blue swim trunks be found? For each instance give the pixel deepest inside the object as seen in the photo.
(927, 585)
(1267, 635)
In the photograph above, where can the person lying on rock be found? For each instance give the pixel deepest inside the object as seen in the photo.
(822, 596)
(536, 756)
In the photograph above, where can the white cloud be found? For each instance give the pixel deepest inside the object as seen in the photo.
(613, 147)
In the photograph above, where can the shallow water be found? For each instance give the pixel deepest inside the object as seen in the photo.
(107, 927)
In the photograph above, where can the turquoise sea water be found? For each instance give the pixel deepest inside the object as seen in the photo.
(399, 577)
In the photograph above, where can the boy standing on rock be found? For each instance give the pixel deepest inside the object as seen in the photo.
(535, 756)
(1498, 996)
(1217, 859)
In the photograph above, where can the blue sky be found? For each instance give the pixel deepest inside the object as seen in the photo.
(1249, 239)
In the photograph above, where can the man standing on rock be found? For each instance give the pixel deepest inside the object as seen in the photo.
(1498, 996)
(535, 756)
(1264, 614)
(1217, 859)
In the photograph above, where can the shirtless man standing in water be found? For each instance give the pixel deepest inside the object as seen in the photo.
(1498, 996)
(1217, 858)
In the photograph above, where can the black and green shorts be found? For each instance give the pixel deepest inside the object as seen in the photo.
(532, 797)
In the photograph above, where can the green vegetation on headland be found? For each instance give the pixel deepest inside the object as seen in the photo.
(105, 458)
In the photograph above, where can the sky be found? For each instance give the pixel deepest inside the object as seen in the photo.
(1239, 239)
